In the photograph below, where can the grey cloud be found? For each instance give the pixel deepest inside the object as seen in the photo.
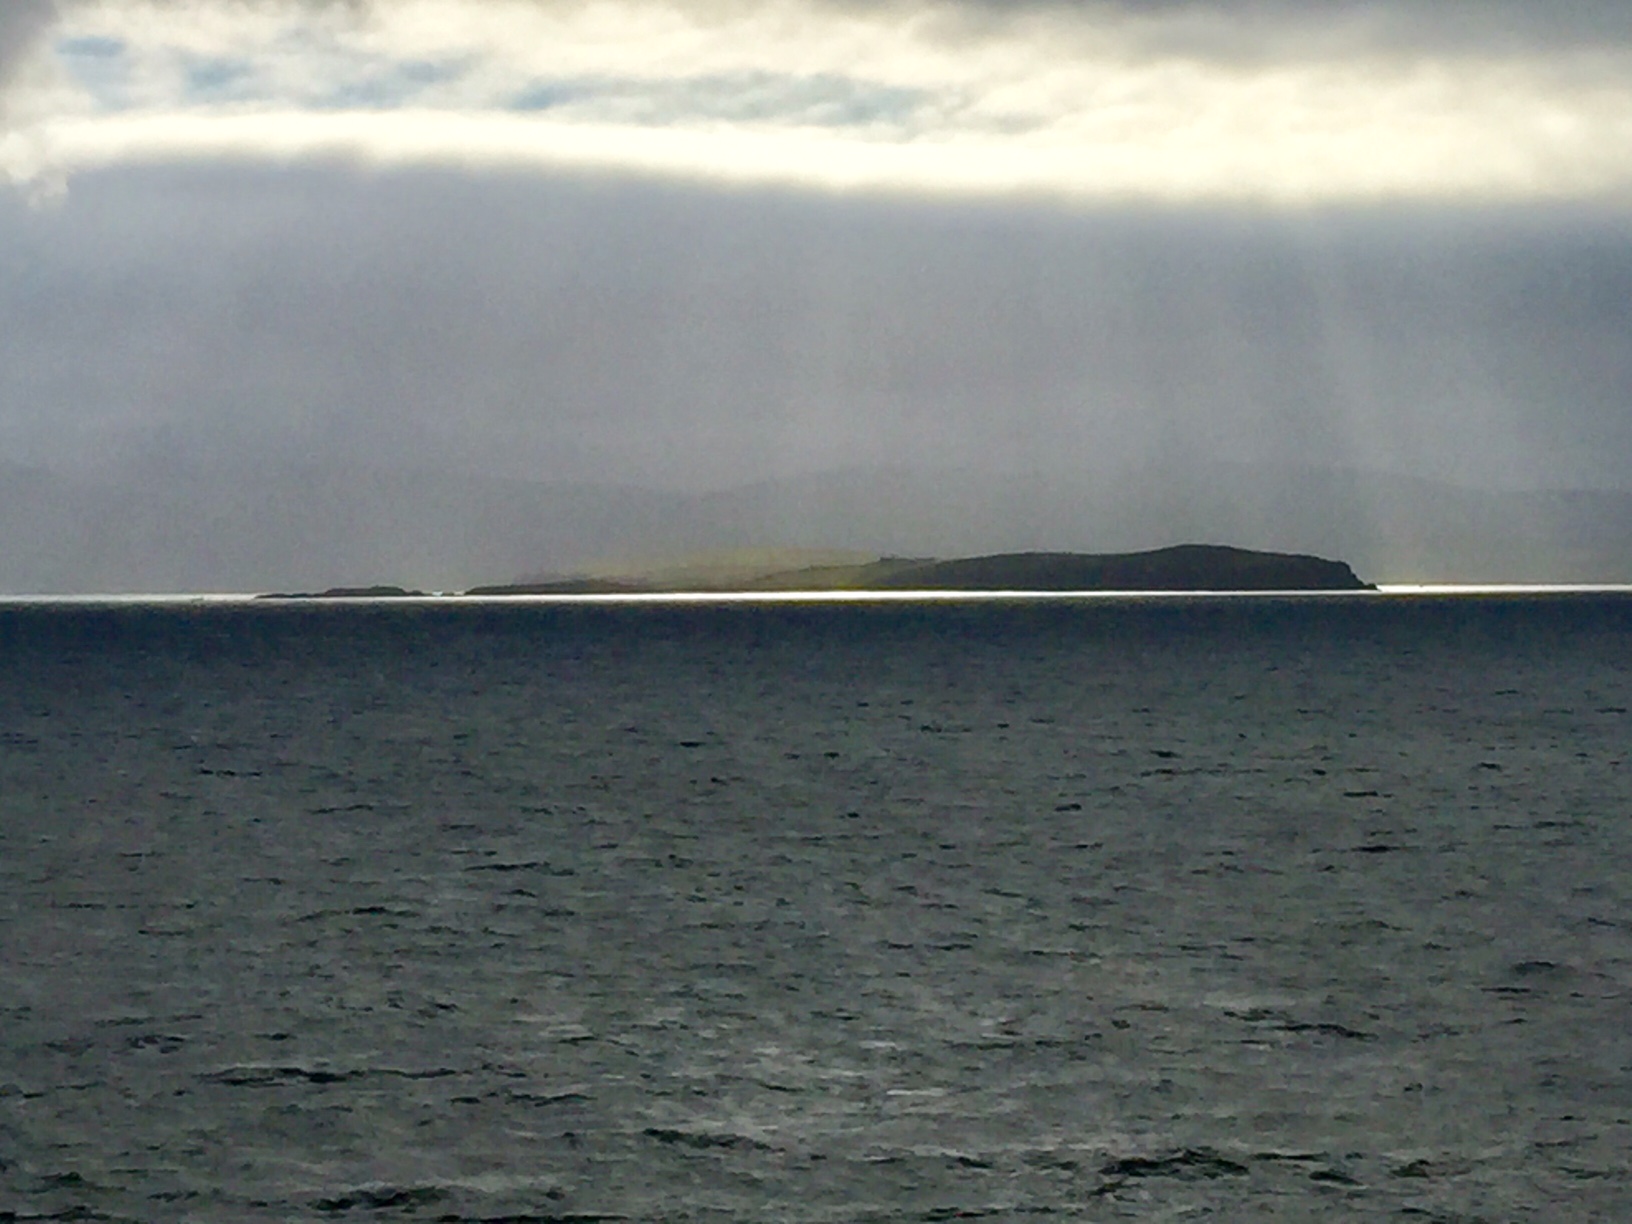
(619, 330)
(1222, 28)
(1252, 30)
(821, 99)
(1234, 28)
(21, 24)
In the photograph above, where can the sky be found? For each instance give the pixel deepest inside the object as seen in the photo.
(699, 245)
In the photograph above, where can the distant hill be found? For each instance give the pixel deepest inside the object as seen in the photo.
(1185, 567)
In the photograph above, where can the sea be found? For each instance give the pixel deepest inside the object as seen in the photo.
(1118, 908)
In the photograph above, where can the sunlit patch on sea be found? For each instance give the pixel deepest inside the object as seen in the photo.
(1267, 908)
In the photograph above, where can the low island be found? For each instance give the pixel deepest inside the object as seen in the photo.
(1183, 567)
(365, 592)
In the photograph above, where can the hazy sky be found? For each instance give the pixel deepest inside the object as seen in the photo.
(701, 244)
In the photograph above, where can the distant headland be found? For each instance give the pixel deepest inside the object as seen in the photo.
(1183, 567)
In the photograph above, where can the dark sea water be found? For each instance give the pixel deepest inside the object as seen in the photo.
(1239, 909)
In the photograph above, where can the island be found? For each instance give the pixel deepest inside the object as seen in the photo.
(1183, 567)
(368, 592)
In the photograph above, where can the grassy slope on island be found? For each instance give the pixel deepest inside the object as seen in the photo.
(735, 569)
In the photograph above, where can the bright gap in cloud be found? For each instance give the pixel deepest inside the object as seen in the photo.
(902, 97)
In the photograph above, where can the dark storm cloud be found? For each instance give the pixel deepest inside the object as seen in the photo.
(614, 330)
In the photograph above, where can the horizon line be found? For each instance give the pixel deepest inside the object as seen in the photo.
(961, 595)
